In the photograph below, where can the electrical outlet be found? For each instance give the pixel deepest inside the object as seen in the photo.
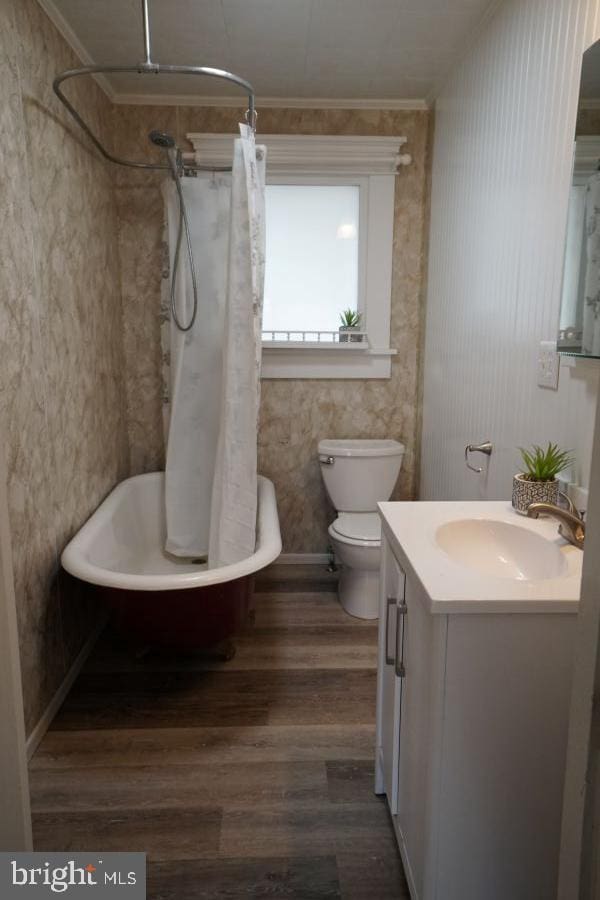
(548, 365)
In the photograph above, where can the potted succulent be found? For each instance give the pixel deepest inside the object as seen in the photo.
(350, 320)
(538, 484)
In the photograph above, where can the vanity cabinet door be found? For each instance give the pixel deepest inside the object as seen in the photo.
(391, 619)
(422, 649)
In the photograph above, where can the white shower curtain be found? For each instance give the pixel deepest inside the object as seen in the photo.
(214, 385)
(591, 307)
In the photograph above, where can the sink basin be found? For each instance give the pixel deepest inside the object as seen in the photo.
(479, 556)
(501, 550)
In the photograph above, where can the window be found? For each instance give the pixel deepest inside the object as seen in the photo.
(329, 248)
(330, 222)
(313, 270)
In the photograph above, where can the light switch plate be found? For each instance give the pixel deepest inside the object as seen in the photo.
(548, 365)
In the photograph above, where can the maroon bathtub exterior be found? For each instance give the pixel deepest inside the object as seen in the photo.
(188, 619)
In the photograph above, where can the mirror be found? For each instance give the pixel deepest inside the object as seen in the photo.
(579, 329)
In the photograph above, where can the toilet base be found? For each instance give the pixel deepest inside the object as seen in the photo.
(358, 592)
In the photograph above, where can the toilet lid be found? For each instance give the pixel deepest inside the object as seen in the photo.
(359, 526)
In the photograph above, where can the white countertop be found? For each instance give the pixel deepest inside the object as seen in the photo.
(455, 588)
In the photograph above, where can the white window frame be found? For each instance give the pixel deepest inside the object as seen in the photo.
(362, 183)
(372, 164)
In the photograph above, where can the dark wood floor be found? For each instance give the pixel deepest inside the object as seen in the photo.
(247, 778)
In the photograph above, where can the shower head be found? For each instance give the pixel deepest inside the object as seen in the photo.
(162, 139)
(166, 142)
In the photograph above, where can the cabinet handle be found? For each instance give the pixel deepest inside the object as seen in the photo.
(401, 611)
(391, 601)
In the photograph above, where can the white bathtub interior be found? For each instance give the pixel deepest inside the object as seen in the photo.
(122, 544)
(132, 539)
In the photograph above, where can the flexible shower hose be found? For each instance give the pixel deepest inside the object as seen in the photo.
(183, 226)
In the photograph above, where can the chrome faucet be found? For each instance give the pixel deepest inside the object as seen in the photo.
(572, 526)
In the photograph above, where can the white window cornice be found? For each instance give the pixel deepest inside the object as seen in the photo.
(308, 154)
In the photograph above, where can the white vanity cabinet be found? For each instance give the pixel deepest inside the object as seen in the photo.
(472, 714)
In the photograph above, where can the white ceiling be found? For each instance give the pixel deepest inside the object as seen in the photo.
(330, 49)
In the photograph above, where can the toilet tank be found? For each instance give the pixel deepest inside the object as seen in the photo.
(359, 473)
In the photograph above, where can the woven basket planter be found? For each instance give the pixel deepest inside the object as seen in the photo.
(526, 491)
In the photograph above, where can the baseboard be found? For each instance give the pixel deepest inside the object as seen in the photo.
(303, 559)
(45, 721)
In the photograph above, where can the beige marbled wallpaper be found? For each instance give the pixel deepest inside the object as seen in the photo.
(295, 414)
(62, 416)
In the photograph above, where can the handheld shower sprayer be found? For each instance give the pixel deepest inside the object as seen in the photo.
(162, 139)
(167, 143)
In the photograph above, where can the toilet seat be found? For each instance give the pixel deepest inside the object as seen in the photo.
(360, 529)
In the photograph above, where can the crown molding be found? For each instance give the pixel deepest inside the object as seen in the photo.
(63, 27)
(311, 154)
(267, 102)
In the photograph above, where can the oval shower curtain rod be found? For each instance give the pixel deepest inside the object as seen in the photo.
(152, 68)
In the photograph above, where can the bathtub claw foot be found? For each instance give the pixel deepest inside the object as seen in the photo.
(226, 651)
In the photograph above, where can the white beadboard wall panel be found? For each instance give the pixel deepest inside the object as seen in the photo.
(505, 122)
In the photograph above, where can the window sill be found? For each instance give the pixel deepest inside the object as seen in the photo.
(304, 359)
(327, 346)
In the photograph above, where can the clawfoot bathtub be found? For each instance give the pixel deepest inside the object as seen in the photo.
(158, 598)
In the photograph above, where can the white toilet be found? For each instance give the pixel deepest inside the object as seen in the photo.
(357, 475)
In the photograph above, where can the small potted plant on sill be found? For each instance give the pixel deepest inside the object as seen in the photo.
(350, 320)
(538, 483)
